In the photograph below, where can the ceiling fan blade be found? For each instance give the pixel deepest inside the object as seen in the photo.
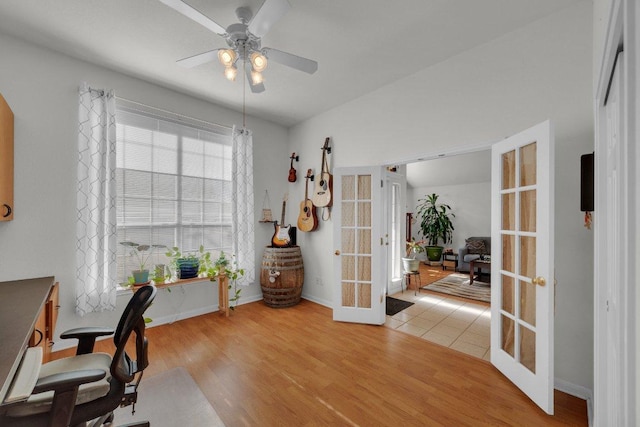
(291, 60)
(270, 12)
(259, 88)
(199, 59)
(191, 13)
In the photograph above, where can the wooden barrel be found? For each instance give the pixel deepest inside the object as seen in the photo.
(282, 276)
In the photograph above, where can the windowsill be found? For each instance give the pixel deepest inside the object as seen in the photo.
(178, 282)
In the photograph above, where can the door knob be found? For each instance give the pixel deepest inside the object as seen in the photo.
(337, 252)
(8, 210)
(540, 281)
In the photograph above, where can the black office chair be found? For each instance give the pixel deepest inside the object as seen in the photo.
(89, 386)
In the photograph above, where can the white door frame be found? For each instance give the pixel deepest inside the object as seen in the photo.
(621, 32)
(394, 284)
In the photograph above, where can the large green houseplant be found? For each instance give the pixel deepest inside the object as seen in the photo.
(435, 224)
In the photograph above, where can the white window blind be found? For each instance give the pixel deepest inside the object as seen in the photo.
(173, 185)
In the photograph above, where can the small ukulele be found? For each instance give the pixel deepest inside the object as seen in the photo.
(307, 219)
(324, 186)
(281, 237)
(292, 171)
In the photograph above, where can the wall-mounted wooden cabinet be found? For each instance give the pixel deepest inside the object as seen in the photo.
(45, 327)
(6, 161)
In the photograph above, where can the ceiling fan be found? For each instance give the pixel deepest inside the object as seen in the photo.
(244, 40)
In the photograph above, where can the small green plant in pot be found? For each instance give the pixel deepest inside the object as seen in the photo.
(142, 253)
(410, 263)
(435, 225)
(186, 266)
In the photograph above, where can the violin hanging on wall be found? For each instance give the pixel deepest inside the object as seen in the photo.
(292, 171)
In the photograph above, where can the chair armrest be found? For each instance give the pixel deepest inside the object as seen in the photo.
(68, 380)
(65, 387)
(86, 337)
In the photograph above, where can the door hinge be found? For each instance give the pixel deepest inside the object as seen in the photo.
(381, 183)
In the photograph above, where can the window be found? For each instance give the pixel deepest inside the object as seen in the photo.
(174, 185)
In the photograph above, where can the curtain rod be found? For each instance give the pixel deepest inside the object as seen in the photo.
(102, 92)
(98, 91)
(181, 116)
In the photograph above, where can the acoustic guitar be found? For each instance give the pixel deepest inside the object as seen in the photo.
(292, 171)
(307, 219)
(324, 186)
(281, 237)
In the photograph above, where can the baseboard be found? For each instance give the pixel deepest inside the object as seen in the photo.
(318, 301)
(157, 321)
(395, 289)
(579, 392)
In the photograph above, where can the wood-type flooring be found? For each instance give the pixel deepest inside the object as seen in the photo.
(297, 367)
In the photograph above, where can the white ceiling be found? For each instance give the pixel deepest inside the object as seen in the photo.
(360, 45)
(454, 170)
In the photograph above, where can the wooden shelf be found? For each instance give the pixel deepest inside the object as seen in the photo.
(223, 289)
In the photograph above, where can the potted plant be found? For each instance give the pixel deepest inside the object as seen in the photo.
(227, 267)
(435, 225)
(142, 254)
(186, 266)
(410, 263)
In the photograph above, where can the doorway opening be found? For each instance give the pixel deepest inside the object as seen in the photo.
(454, 312)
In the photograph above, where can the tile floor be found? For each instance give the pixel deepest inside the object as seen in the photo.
(457, 323)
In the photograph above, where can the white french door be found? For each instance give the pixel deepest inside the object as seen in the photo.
(522, 270)
(357, 223)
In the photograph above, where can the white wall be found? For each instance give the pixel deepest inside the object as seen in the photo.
(41, 87)
(471, 203)
(538, 72)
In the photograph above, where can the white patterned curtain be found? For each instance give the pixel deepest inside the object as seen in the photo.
(242, 203)
(96, 202)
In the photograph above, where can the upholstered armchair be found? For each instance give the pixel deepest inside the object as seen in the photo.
(473, 248)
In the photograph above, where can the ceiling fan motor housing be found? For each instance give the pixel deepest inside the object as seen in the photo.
(239, 39)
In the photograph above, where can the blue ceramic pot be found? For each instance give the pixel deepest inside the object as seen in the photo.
(140, 276)
(187, 268)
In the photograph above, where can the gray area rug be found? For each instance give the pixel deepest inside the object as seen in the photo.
(457, 284)
(170, 399)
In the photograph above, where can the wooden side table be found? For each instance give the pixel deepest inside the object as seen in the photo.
(479, 264)
(450, 260)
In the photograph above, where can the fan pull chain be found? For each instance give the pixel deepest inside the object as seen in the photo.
(244, 86)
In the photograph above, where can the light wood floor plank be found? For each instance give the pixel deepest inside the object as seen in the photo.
(297, 367)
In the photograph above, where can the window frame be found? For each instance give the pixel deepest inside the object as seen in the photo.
(189, 128)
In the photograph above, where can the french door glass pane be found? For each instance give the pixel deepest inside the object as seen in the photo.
(355, 227)
(518, 228)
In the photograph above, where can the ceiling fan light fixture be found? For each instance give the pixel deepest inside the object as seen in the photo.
(258, 61)
(256, 77)
(227, 57)
(230, 73)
